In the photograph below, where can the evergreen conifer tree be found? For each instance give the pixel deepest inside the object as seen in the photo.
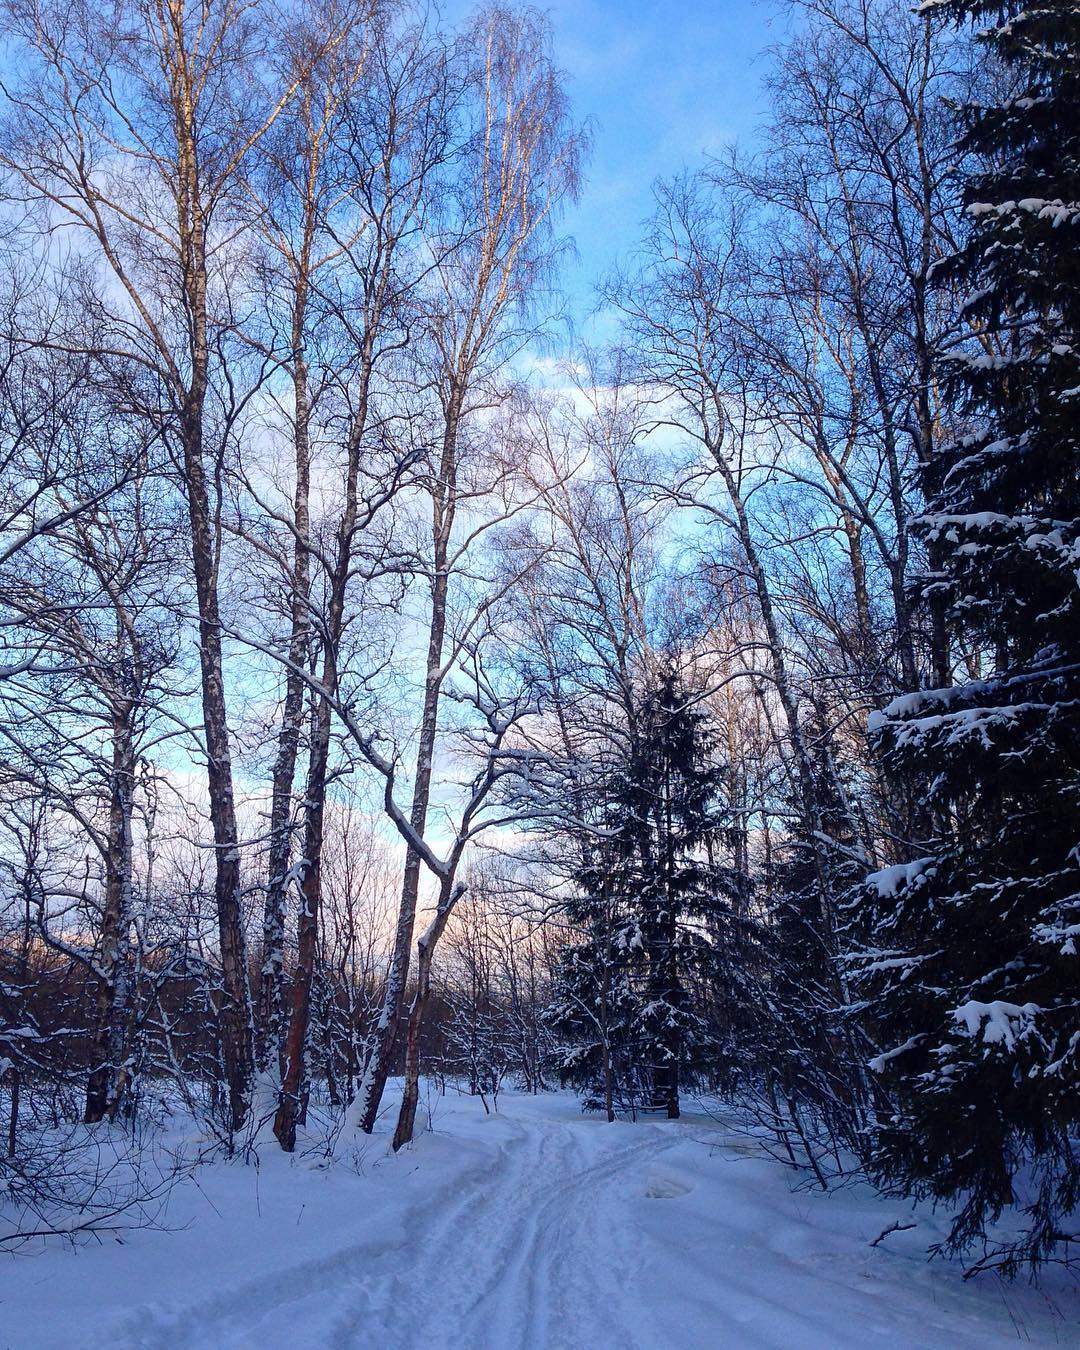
(653, 909)
(595, 1010)
(805, 1040)
(972, 973)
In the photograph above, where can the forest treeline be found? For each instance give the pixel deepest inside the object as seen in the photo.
(392, 685)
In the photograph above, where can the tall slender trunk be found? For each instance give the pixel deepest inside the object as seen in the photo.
(384, 1035)
(26, 890)
(307, 936)
(271, 1008)
(861, 591)
(236, 1006)
(664, 986)
(236, 1020)
(236, 1034)
(781, 678)
(609, 1077)
(105, 1086)
(292, 1082)
(896, 486)
(925, 354)
(898, 570)
(425, 953)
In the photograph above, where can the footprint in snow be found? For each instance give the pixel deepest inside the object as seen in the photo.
(665, 1188)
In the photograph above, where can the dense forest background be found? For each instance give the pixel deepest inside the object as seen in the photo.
(393, 685)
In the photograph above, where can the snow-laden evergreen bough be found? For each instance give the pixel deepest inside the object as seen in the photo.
(972, 984)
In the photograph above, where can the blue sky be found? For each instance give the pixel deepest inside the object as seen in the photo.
(663, 85)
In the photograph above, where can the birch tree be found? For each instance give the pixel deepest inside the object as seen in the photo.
(128, 130)
(362, 185)
(519, 161)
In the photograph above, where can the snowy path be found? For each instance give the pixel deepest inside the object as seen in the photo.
(513, 1260)
(536, 1229)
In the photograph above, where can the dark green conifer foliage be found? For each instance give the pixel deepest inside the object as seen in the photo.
(806, 1038)
(654, 909)
(971, 973)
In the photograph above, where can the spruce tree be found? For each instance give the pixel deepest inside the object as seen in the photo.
(972, 974)
(674, 826)
(654, 909)
(806, 1039)
(596, 1005)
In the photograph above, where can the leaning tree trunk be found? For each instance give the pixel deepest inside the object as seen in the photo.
(384, 1035)
(425, 953)
(804, 768)
(808, 792)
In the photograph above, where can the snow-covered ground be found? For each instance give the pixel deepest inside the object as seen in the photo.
(535, 1227)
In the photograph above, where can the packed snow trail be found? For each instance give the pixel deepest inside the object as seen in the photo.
(532, 1229)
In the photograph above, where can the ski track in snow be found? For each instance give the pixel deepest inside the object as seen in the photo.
(532, 1229)
(510, 1263)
